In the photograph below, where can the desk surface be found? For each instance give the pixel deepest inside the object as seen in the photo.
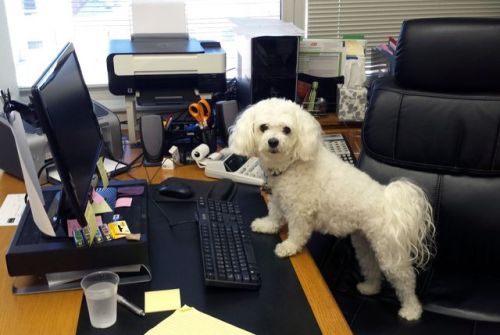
(57, 313)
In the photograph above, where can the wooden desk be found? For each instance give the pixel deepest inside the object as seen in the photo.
(57, 313)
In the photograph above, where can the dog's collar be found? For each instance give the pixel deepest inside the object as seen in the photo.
(274, 172)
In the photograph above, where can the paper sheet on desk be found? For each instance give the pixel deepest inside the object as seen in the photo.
(189, 321)
(12, 209)
(35, 196)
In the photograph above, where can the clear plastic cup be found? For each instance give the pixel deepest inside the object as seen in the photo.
(101, 290)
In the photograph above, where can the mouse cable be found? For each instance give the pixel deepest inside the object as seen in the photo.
(162, 211)
(156, 172)
(154, 175)
(170, 224)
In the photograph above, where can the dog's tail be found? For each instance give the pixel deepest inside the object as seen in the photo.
(411, 224)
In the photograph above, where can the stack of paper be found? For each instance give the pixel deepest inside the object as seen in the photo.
(159, 18)
(189, 321)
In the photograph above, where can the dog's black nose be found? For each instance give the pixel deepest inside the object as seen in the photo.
(273, 142)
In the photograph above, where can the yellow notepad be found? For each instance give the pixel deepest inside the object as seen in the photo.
(164, 300)
(91, 221)
(102, 172)
(189, 321)
(101, 207)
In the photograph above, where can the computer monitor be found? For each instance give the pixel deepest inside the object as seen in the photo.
(63, 104)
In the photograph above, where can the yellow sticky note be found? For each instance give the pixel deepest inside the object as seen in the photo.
(102, 172)
(90, 217)
(189, 321)
(101, 207)
(118, 229)
(164, 300)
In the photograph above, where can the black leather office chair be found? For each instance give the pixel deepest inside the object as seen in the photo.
(437, 122)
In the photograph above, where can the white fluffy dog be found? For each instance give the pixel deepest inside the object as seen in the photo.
(313, 190)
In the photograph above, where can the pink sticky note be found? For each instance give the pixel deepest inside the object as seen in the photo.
(98, 220)
(72, 226)
(97, 198)
(123, 202)
(131, 190)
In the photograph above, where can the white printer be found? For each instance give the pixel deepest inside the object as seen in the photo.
(164, 71)
(38, 145)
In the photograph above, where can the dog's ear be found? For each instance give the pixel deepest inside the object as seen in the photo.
(241, 139)
(310, 135)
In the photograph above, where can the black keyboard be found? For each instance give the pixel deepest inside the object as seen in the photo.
(226, 246)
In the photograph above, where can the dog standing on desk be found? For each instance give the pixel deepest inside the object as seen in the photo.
(391, 226)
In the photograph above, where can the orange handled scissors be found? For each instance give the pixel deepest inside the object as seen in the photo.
(201, 111)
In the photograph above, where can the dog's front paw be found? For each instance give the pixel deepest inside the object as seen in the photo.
(286, 248)
(265, 225)
(368, 288)
(411, 312)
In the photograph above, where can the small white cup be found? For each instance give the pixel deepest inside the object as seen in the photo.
(101, 289)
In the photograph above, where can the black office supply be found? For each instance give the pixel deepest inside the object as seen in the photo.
(177, 190)
(66, 113)
(153, 139)
(29, 253)
(226, 246)
(219, 189)
(267, 67)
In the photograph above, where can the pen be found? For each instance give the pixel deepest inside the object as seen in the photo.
(131, 306)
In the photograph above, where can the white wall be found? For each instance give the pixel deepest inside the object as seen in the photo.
(8, 71)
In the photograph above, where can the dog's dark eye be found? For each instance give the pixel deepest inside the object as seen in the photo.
(263, 127)
(287, 130)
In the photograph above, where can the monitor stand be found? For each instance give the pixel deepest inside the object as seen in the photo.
(56, 217)
(59, 212)
(31, 254)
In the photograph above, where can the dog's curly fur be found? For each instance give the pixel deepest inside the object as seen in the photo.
(391, 226)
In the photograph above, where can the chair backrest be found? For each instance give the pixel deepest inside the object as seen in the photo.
(437, 121)
(449, 55)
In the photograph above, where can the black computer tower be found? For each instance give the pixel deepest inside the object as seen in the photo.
(267, 67)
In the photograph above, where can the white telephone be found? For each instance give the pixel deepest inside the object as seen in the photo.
(241, 169)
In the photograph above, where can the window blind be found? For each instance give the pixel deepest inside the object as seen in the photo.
(377, 20)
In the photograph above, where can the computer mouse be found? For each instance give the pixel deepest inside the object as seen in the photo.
(176, 190)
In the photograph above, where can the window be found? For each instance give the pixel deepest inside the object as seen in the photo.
(378, 20)
(40, 28)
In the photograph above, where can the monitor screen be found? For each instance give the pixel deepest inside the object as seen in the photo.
(63, 104)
